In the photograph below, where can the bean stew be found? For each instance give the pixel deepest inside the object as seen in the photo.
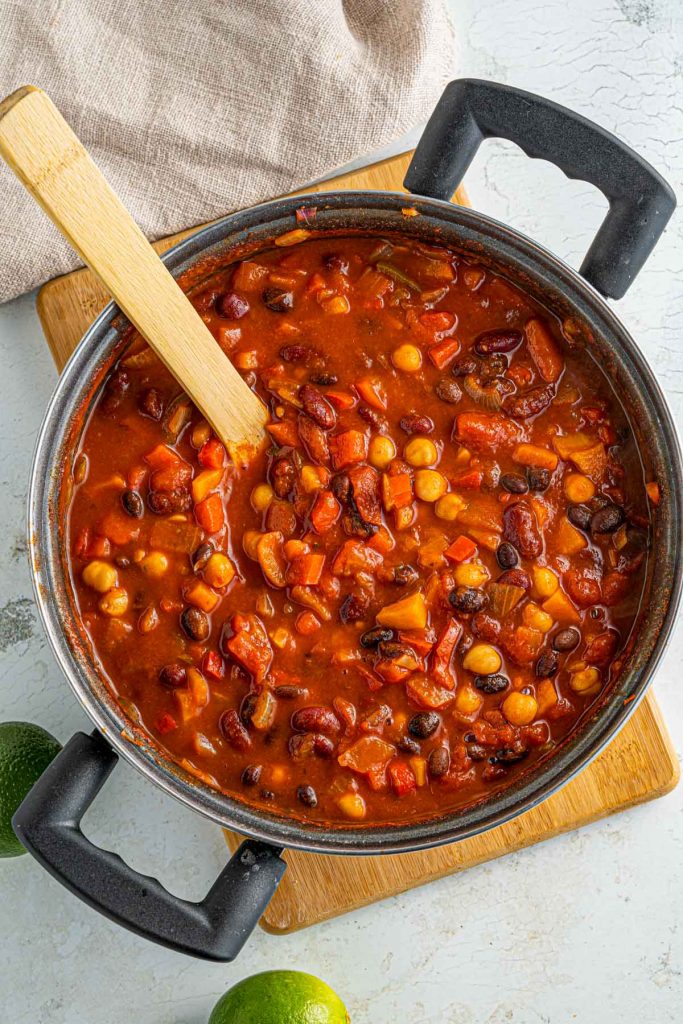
(419, 585)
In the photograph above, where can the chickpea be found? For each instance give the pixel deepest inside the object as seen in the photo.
(155, 564)
(449, 507)
(420, 451)
(482, 659)
(250, 541)
(114, 602)
(578, 488)
(261, 497)
(219, 570)
(585, 680)
(101, 576)
(407, 358)
(545, 582)
(352, 805)
(536, 618)
(381, 451)
(430, 485)
(468, 700)
(470, 574)
(520, 708)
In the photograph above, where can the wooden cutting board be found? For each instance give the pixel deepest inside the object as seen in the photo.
(640, 763)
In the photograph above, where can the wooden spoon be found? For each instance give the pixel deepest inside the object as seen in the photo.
(51, 162)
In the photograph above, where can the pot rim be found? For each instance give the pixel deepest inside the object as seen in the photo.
(44, 544)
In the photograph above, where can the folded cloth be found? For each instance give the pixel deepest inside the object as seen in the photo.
(194, 108)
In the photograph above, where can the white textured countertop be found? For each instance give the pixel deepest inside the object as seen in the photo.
(581, 928)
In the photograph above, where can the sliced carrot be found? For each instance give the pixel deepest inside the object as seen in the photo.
(443, 352)
(210, 514)
(653, 492)
(212, 454)
(162, 457)
(285, 433)
(348, 448)
(325, 512)
(536, 456)
(543, 350)
(372, 391)
(461, 549)
(471, 480)
(305, 569)
(485, 430)
(397, 491)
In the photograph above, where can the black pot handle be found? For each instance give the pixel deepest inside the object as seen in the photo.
(48, 825)
(640, 200)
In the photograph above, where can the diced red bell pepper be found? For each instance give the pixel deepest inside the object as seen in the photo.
(402, 778)
(461, 549)
(213, 665)
(443, 653)
(166, 723)
(212, 454)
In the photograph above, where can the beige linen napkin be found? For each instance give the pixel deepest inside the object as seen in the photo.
(193, 108)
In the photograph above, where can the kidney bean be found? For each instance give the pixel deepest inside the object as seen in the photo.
(295, 353)
(280, 516)
(580, 516)
(317, 720)
(163, 503)
(516, 578)
(510, 755)
(341, 488)
(566, 639)
(424, 724)
(467, 599)
(416, 424)
(514, 483)
(251, 776)
(232, 306)
(233, 730)
(173, 676)
(278, 300)
(283, 476)
(374, 418)
(303, 745)
(497, 341)
(607, 520)
(531, 403)
(324, 380)
(547, 665)
(405, 574)
(201, 556)
(463, 367)
(247, 707)
(334, 261)
(290, 692)
(307, 795)
(133, 504)
(485, 627)
(448, 391)
(409, 745)
(521, 529)
(151, 404)
(491, 684)
(506, 555)
(375, 636)
(439, 761)
(317, 407)
(476, 752)
(195, 623)
(539, 479)
(313, 439)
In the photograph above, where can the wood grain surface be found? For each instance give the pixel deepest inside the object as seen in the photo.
(640, 764)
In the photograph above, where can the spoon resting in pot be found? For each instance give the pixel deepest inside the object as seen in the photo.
(50, 161)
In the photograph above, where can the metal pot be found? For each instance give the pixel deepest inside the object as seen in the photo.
(640, 205)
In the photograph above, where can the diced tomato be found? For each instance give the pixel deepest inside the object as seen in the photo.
(210, 513)
(250, 646)
(162, 457)
(306, 624)
(461, 549)
(397, 490)
(305, 570)
(212, 454)
(166, 723)
(471, 480)
(402, 778)
(213, 665)
(443, 654)
(348, 448)
(118, 528)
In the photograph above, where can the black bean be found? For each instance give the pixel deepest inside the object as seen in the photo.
(354, 607)
(566, 639)
(580, 516)
(448, 391)
(324, 380)
(173, 676)
(504, 340)
(462, 367)
(607, 519)
(376, 635)
(424, 724)
(467, 599)
(251, 776)
(267, 794)
(195, 623)
(491, 684)
(404, 574)
(512, 754)
(409, 745)
(514, 483)
(477, 752)
(506, 555)
(439, 761)
(133, 504)
(341, 487)
(122, 561)
(547, 664)
(201, 556)
(308, 796)
(151, 404)
(278, 300)
(539, 479)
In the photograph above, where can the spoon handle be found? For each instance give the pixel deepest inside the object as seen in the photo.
(53, 165)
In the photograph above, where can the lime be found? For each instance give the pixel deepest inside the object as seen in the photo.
(25, 752)
(280, 997)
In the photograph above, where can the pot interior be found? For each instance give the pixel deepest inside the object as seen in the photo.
(550, 283)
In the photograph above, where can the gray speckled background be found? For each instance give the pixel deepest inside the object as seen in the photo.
(583, 928)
